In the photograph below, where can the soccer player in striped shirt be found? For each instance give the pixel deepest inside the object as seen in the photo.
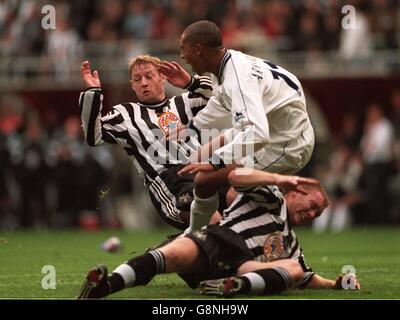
(253, 249)
(140, 127)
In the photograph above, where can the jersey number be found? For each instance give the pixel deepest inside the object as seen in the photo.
(276, 74)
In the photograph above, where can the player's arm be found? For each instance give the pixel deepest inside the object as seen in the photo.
(97, 130)
(342, 282)
(245, 177)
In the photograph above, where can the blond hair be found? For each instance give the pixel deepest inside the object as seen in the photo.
(141, 60)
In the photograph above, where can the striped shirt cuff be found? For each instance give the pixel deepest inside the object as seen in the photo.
(217, 162)
(97, 89)
(193, 85)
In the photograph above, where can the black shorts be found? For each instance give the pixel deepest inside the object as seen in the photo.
(171, 195)
(224, 249)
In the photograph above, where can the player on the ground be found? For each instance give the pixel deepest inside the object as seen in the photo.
(139, 128)
(254, 242)
(271, 129)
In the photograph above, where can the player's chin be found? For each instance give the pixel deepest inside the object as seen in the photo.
(296, 220)
(147, 98)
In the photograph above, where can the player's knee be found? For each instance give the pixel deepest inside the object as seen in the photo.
(179, 254)
(232, 176)
(202, 182)
(236, 178)
(295, 270)
(201, 179)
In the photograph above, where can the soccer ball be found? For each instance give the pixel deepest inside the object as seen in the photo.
(112, 244)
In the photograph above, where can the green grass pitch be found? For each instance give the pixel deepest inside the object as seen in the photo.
(374, 252)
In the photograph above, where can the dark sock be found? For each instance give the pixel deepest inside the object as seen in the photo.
(246, 286)
(266, 281)
(115, 283)
(147, 266)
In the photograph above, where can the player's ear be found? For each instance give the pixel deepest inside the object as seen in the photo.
(198, 48)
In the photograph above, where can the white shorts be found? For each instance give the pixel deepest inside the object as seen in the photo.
(286, 158)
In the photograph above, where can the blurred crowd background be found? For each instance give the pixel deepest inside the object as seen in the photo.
(49, 178)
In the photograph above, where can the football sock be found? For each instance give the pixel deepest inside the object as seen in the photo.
(140, 270)
(266, 281)
(201, 211)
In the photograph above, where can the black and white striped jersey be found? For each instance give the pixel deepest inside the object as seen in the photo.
(139, 128)
(259, 216)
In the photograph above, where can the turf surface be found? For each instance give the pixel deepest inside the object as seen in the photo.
(374, 252)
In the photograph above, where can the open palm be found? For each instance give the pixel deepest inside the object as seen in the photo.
(89, 79)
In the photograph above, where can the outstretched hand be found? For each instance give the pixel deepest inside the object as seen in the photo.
(89, 79)
(347, 282)
(175, 74)
(291, 183)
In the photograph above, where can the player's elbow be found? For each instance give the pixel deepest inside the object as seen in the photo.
(234, 178)
(91, 142)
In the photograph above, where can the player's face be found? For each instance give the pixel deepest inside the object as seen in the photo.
(190, 53)
(148, 83)
(304, 208)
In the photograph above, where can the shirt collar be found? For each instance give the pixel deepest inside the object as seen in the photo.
(159, 105)
(224, 61)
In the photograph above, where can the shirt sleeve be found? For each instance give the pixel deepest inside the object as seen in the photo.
(201, 85)
(98, 130)
(200, 90)
(214, 115)
(250, 129)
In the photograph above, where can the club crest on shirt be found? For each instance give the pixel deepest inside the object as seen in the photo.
(273, 246)
(168, 121)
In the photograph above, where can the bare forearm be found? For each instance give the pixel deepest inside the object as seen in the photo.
(207, 150)
(318, 282)
(244, 177)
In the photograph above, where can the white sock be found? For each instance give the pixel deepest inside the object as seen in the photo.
(201, 211)
(127, 274)
(257, 282)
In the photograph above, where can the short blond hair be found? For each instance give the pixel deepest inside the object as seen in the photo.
(141, 60)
